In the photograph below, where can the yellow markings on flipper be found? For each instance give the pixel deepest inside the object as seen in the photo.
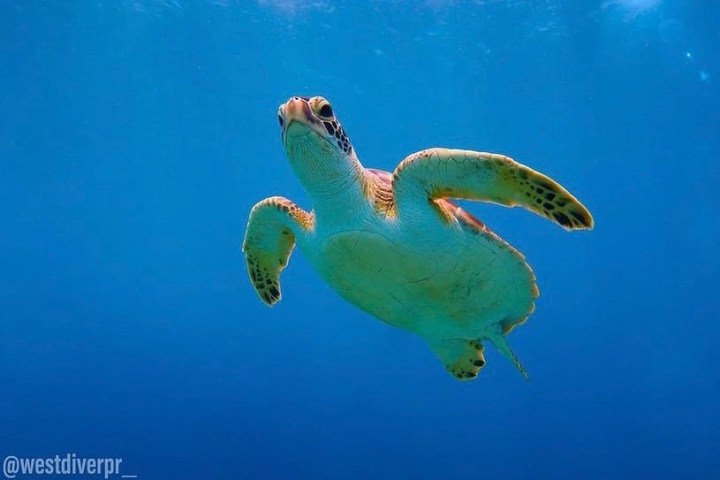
(546, 197)
(445, 173)
(269, 240)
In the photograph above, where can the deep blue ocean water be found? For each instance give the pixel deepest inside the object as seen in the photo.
(135, 136)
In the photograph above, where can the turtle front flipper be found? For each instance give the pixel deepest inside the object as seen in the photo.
(269, 240)
(465, 174)
(462, 358)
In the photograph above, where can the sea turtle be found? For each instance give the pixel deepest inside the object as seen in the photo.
(394, 245)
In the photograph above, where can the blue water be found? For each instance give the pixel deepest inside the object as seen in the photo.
(135, 136)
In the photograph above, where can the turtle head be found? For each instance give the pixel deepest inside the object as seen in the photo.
(319, 151)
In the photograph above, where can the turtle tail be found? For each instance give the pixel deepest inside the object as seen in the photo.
(500, 342)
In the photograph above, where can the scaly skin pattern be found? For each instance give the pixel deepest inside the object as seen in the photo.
(395, 245)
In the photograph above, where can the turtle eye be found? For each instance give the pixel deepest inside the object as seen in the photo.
(326, 111)
(281, 121)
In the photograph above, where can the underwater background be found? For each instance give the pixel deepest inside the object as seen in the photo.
(135, 136)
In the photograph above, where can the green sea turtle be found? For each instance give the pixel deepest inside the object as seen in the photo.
(395, 246)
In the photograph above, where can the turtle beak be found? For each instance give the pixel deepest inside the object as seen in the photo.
(297, 109)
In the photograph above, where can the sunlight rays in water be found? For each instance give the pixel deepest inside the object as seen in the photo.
(647, 22)
(633, 7)
(293, 7)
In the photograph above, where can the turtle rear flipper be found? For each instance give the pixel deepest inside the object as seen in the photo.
(462, 358)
